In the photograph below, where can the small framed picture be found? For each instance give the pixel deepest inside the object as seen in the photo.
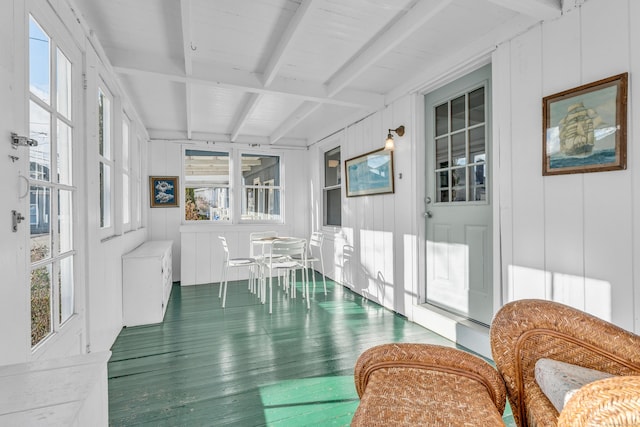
(164, 191)
(370, 173)
(585, 128)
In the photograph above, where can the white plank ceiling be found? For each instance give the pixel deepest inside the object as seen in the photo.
(288, 72)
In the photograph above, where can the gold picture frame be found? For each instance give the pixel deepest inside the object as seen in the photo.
(584, 129)
(164, 191)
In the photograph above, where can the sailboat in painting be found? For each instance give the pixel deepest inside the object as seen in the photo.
(577, 136)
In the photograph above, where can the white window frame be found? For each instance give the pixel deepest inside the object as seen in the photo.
(257, 187)
(58, 42)
(326, 188)
(136, 183)
(236, 186)
(186, 185)
(126, 172)
(107, 230)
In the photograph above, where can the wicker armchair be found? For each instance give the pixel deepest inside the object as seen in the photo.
(426, 385)
(524, 331)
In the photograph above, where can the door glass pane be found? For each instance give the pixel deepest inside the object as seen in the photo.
(40, 222)
(40, 155)
(477, 144)
(40, 303)
(458, 149)
(443, 186)
(64, 154)
(39, 60)
(478, 179)
(442, 119)
(476, 107)
(65, 289)
(458, 113)
(65, 228)
(442, 152)
(459, 185)
(64, 85)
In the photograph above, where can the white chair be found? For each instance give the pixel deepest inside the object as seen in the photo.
(258, 241)
(315, 245)
(279, 258)
(229, 262)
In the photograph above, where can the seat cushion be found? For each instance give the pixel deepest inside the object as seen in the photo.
(559, 380)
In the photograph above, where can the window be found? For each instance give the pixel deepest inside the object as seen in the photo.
(206, 185)
(126, 173)
(137, 181)
(260, 187)
(332, 191)
(209, 183)
(460, 145)
(51, 186)
(106, 162)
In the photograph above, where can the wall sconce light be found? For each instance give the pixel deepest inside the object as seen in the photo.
(388, 144)
(333, 163)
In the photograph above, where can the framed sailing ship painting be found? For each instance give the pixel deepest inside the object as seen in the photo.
(584, 129)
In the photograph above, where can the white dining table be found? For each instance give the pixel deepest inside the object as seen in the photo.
(266, 242)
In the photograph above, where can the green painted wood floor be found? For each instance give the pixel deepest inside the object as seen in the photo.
(209, 366)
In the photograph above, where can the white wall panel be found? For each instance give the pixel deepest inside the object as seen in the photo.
(633, 157)
(608, 196)
(579, 223)
(520, 134)
(564, 194)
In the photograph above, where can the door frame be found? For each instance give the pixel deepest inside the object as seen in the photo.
(455, 328)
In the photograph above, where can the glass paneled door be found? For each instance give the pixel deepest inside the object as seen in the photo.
(459, 213)
(52, 190)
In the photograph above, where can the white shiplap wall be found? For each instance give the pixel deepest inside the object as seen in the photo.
(380, 230)
(571, 238)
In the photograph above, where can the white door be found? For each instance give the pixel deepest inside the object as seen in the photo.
(458, 200)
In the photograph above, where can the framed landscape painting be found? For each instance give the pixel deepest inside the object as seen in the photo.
(585, 128)
(164, 191)
(370, 173)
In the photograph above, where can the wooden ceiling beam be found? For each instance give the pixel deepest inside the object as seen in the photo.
(293, 29)
(248, 108)
(294, 119)
(539, 9)
(421, 13)
(207, 75)
(275, 61)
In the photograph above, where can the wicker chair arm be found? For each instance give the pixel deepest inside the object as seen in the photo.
(433, 358)
(606, 403)
(527, 330)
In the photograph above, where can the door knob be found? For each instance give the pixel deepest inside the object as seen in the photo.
(16, 218)
(428, 214)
